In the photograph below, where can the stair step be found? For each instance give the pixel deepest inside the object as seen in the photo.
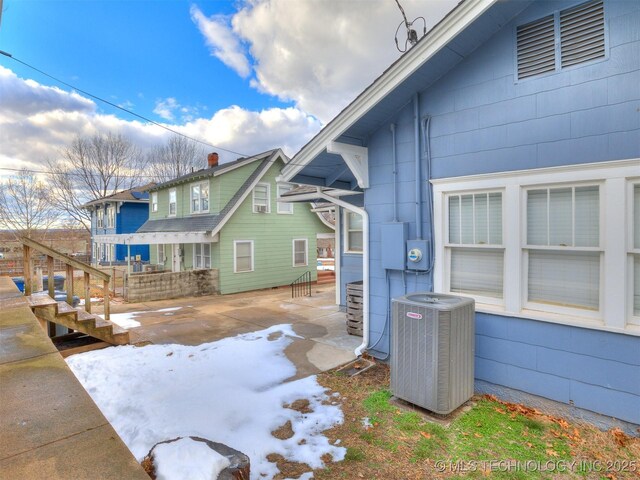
(40, 300)
(85, 316)
(65, 309)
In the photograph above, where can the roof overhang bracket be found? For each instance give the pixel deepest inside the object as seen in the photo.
(356, 158)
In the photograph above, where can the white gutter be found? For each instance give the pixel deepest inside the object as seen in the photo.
(365, 264)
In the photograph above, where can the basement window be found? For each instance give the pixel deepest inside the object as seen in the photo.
(563, 39)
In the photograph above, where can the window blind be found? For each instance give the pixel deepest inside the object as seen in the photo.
(477, 271)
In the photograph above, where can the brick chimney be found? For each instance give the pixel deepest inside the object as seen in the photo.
(212, 160)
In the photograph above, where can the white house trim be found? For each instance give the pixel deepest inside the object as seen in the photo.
(614, 179)
(306, 252)
(356, 158)
(235, 256)
(154, 238)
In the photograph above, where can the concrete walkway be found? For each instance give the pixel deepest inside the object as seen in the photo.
(49, 426)
(324, 345)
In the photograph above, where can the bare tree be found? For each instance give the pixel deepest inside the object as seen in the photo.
(94, 167)
(26, 206)
(177, 157)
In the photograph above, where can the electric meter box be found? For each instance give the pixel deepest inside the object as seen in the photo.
(417, 255)
(393, 239)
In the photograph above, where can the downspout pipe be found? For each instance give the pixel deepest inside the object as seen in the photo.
(365, 263)
(417, 173)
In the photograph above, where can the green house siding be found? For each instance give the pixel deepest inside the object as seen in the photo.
(221, 189)
(272, 235)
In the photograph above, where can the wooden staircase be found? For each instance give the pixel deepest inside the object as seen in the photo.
(46, 309)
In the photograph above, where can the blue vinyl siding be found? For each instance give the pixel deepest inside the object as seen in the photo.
(128, 219)
(484, 121)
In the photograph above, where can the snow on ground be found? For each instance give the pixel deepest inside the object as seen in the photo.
(189, 460)
(126, 320)
(230, 391)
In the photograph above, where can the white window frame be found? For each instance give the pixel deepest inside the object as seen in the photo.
(161, 258)
(235, 256)
(201, 256)
(614, 178)
(99, 218)
(174, 203)
(306, 252)
(347, 229)
(450, 246)
(154, 202)
(532, 305)
(284, 208)
(253, 197)
(200, 197)
(111, 216)
(632, 250)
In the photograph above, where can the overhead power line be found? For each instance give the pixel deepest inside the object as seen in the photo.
(7, 54)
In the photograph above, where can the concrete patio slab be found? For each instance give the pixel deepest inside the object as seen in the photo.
(324, 345)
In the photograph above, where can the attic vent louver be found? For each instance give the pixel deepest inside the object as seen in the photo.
(582, 33)
(536, 48)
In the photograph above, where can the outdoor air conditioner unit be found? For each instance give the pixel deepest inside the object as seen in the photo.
(432, 351)
(261, 209)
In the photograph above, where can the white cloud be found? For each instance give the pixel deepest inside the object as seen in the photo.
(24, 97)
(47, 119)
(224, 44)
(316, 53)
(166, 108)
(251, 132)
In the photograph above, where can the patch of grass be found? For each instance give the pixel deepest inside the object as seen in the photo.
(368, 437)
(405, 445)
(354, 454)
(409, 422)
(489, 432)
(377, 403)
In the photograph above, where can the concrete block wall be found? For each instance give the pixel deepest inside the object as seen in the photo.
(163, 285)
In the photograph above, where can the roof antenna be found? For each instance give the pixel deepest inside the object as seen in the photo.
(412, 35)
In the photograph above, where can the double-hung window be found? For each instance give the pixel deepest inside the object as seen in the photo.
(569, 247)
(111, 216)
(100, 218)
(243, 256)
(634, 255)
(154, 201)
(562, 249)
(353, 233)
(261, 195)
(300, 257)
(200, 197)
(202, 256)
(284, 207)
(173, 202)
(474, 244)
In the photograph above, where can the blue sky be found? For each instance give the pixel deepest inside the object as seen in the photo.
(125, 51)
(246, 76)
